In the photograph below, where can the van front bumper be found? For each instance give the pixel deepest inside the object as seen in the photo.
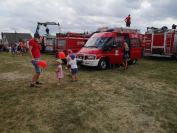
(93, 63)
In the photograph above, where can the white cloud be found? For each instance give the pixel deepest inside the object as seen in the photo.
(85, 15)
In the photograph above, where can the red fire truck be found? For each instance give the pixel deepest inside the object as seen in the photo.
(160, 42)
(105, 48)
(73, 41)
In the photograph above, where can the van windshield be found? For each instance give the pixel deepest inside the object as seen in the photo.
(97, 42)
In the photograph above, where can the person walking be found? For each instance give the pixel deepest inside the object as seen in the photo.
(128, 20)
(34, 50)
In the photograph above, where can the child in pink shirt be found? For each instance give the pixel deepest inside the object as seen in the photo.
(59, 70)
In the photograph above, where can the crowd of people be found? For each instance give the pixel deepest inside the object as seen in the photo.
(19, 48)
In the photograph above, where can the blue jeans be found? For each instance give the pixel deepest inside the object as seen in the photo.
(35, 64)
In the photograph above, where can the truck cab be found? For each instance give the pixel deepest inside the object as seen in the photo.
(106, 48)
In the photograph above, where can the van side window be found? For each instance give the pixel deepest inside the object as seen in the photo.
(119, 41)
(110, 41)
(135, 42)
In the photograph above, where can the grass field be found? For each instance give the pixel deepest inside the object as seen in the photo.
(140, 100)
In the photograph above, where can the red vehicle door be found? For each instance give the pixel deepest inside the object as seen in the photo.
(135, 49)
(169, 43)
(114, 51)
(158, 41)
(147, 43)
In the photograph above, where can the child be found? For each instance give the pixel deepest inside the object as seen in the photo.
(59, 70)
(74, 68)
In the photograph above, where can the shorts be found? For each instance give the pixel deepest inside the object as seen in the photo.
(36, 67)
(126, 55)
(74, 71)
(128, 24)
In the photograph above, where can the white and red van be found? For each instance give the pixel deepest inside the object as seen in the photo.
(106, 48)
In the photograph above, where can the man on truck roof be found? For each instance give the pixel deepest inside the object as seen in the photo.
(128, 20)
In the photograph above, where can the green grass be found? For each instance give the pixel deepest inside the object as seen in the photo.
(140, 100)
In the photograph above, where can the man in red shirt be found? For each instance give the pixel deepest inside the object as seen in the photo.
(34, 50)
(128, 20)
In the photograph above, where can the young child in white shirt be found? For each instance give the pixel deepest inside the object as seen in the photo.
(74, 68)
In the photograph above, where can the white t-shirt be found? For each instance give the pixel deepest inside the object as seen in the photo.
(73, 63)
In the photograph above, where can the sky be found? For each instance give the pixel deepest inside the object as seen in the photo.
(85, 15)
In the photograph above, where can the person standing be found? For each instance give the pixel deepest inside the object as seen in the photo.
(59, 71)
(34, 50)
(126, 55)
(128, 20)
(74, 68)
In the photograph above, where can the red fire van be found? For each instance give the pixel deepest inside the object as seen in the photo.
(106, 48)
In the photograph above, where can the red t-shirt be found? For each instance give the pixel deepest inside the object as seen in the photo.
(35, 48)
(128, 19)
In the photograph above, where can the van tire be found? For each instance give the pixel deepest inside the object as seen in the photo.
(103, 64)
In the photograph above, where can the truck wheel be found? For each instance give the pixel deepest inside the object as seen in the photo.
(103, 64)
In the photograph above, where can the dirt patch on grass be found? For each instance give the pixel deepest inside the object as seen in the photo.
(13, 76)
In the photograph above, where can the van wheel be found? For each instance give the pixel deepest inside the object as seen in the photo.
(103, 64)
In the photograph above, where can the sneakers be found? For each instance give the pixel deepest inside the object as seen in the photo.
(35, 85)
(39, 83)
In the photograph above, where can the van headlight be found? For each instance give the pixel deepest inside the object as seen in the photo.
(90, 57)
